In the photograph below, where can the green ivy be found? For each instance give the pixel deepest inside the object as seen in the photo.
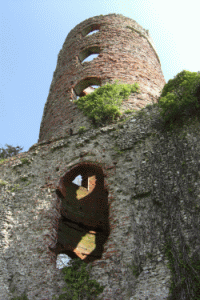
(2, 182)
(15, 188)
(186, 273)
(104, 103)
(78, 283)
(25, 161)
(2, 160)
(136, 269)
(128, 111)
(180, 98)
(81, 129)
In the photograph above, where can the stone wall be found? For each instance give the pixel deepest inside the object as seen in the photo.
(140, 183)
(152, 183)
(126, 52)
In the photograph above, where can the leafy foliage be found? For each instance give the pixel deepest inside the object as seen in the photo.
(81, 129)
(180, 97)
(104, 103)
(9, 152)
(78, 283)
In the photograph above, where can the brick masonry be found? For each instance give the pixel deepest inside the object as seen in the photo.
(126, 52)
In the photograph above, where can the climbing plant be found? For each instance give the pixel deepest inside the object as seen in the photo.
(185, 281)
(104, 103)
(78, 283)
(176, 191)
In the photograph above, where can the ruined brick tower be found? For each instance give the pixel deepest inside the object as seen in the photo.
(139, 191)
(126, 52)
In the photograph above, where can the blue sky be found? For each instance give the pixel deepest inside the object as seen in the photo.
(32, 33)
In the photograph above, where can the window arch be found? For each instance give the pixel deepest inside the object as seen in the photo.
(84, 226)
(88, 52)
(90, 29)
(84, 84)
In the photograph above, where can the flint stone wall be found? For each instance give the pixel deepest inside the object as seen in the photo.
(141, 164)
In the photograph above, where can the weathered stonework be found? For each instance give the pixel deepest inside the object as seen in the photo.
(126, 52)
(140, 162)
(140, 185)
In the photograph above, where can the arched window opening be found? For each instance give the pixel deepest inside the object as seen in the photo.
(91, 29)
(92, 32)
(86, 86)
(88, 90)
(89, 54)
(90, 57)
(84, 225)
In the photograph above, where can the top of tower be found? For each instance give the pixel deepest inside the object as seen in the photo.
(125, 52)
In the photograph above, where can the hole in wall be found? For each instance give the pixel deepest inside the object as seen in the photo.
(87, 91)
(90, 57)
(91, 29)
(84, 225)
(92, 32)
(86, 86)
(89, 54)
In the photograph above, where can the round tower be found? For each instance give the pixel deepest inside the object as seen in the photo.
(125, 52)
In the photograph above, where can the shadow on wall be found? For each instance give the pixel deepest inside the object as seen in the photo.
(64, 259)
(84, 227)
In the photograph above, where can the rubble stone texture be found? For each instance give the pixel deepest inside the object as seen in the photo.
(133, 180)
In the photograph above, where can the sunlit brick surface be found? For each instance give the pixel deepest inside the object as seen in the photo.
(126, 52)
